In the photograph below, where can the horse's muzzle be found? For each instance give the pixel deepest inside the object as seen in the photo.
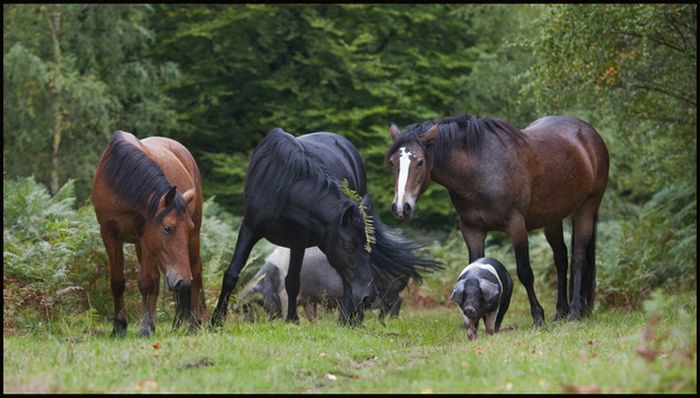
(403, 212)
(176, 283)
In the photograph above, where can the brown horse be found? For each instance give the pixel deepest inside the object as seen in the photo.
(149, 192)
(503, 179)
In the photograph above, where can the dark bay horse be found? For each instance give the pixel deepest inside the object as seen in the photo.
(294, 199)
(149, 192)
(504, 179)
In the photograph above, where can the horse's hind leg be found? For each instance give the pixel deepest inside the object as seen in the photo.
(115, 253)
(246, 240)
(518, 235)
(555, 237)
(292, 281)
(583, 262)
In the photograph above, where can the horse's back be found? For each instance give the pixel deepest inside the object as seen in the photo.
(339, 157)
(175, 160)
(164, 148)
(565, 127)
(555, 133)
(567, 158)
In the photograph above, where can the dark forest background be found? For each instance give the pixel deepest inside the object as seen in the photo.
(218, 77)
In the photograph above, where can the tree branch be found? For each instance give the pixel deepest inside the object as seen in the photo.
(665, 91)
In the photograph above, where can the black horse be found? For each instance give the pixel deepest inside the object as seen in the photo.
(294, 198)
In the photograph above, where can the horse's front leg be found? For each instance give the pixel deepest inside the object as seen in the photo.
(293, 281)
(518, 235)
(115, 254)
(246, 240)
(149, 283)
(555, 237)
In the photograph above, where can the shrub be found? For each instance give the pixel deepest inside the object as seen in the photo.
(55, 263)
(657, 249)
(52, 253)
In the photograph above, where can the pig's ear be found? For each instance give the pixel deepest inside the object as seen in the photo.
(488, 289)
(458, 294)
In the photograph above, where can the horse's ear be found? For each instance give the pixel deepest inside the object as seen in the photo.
(189, 195)
(170, 196)
(395, 133)
(429, 136)
(348, 217)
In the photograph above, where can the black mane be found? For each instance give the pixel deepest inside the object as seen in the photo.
(465, 132)
(394, 256)
(279, 163)
(135, 177)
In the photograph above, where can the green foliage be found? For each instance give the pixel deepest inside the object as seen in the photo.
(73, 74)
(218, 77)
(52, 254)
(55, 264)
(628, 65)
(350, 69)
(657, 248)
(624, 68)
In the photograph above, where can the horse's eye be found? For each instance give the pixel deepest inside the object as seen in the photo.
(167, 229)
(420, 163)
(391, 163)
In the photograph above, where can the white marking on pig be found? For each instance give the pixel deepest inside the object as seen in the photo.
(484, 266)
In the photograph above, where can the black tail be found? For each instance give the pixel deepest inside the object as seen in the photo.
(394, 256)
(588, 279)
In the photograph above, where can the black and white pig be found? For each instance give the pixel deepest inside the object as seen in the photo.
(319, 284)
(483, 291)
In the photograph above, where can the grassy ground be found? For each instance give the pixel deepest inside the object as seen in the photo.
(424, 350)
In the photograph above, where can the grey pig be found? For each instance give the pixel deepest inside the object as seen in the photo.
(319, 284)
(483, 291)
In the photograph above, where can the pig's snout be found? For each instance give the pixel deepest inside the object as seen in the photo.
(470, 312)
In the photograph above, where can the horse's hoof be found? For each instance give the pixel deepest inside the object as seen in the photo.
(574, 317)
(559, 317)
(538, 322)
(119, 329)
(146, 333)
(214, 325)
(118, 333)
(194, 326)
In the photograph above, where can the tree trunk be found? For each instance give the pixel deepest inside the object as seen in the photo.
(55, 24)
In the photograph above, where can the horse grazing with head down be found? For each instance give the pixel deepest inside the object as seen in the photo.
(149, 192)
(504, 179)
(311, 191)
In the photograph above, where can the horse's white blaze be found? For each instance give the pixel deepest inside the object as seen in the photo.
(404, 165)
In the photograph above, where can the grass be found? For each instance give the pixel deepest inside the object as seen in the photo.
(425, 350)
